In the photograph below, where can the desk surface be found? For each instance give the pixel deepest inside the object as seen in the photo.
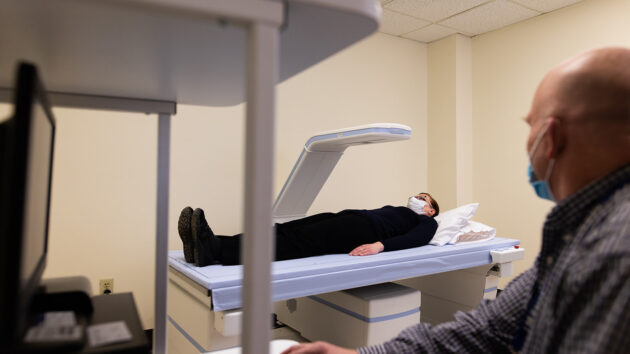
(171, 50)
(117, 307)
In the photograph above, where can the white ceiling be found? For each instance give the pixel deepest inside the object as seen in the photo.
(429, 20)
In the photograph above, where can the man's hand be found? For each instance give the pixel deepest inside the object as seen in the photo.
(368, 249)
(317, 348)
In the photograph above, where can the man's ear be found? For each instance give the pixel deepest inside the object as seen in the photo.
(555, 138)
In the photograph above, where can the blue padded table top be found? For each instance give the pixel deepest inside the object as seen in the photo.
(315, 275)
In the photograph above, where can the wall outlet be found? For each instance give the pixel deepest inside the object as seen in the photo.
(106, 286)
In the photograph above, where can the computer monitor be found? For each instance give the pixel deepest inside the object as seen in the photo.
(26, 154)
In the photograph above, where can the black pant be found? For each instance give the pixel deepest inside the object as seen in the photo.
(319, 234)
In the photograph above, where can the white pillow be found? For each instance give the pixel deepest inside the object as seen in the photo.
(465, 211)
(451, 222)
(447, 229)
(474, 231)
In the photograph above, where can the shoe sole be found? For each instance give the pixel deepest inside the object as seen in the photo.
(200, 235)
(185, 233)
(196, 237)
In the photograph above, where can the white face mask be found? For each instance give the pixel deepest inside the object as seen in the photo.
(416, 205)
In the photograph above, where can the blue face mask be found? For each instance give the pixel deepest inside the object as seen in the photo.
(541, 187)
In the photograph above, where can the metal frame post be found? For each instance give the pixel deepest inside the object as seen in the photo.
(262, 72)
(161, 243)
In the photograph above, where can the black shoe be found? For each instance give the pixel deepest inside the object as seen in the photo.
(203, 238)
(185, 233)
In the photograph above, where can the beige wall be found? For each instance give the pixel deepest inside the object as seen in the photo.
(103, 206)
(382, 79)
(442, 172)
(102, 221)
(463, 119)
(450, 121)
(507, 66)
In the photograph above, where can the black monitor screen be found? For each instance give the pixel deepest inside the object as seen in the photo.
(27, 150)
(35, 224)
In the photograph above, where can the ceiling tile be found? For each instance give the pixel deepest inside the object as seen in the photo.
(488, 17)
(432, 10)
(430, 33)
(546, 5)
(396, 24)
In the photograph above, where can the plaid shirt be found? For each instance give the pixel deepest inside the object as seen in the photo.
(575, 299)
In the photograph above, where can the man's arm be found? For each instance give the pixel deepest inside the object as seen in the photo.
(318, 347)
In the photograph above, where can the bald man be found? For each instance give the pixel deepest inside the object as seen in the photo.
(576, 297)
